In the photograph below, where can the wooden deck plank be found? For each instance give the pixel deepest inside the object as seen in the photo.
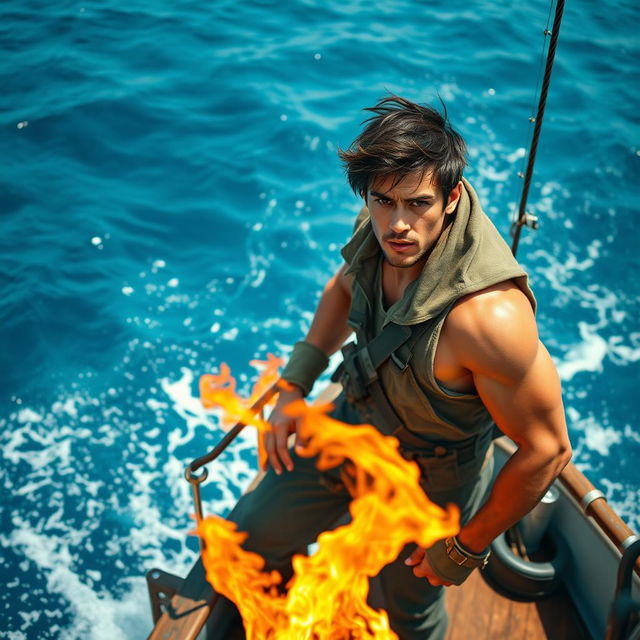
(501, 620)
(477, 611)
(474, 610)
(520, 613)
(453, 598)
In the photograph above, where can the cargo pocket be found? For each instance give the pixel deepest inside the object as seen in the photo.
(440, 473)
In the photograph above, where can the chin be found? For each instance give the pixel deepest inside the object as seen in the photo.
(402, 263)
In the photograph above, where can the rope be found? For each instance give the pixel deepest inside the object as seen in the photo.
(524, 218)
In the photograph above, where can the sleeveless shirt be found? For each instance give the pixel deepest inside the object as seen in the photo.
(469, 256)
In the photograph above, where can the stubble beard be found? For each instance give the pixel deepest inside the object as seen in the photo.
(408, 262)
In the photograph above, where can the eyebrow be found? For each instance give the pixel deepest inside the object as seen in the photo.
(426, 196)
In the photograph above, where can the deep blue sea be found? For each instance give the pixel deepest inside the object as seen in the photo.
(171, 198)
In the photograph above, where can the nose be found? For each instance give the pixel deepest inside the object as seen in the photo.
(398, 222)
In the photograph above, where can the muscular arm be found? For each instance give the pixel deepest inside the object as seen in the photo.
(329, 329)
(492, 337)
(497, 341)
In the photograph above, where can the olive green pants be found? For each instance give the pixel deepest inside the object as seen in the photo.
(284, 514)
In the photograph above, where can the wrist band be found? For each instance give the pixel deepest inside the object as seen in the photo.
(305, 365)
(451, 562)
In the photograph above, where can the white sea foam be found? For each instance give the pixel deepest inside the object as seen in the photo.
(187, 406)
(43, 439)
(518, 154)
(156, 405)
(601, 439)
(12, 635)
(490, 173)
(28, 415)
(623, 354)
(625, 501)
(51, 448)
(96, 615)
(231, 334)
(584, 356)
(599, 310)
(67, 406)
(593, 435)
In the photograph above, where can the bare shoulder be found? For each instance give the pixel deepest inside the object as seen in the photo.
(343, 279)
(493, 330)
(503, 303)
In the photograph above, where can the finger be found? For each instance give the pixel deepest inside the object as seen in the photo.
(282, 435)
(263, 458)
(423, 568)
(420, 571)
(270, 446)
(416, 557)
(301, 442)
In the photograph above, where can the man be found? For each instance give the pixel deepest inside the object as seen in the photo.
(447, 348)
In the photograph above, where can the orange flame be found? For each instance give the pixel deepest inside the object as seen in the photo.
(219, 390)
(327, 597)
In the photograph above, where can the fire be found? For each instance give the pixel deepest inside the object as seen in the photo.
(327, 597)
(220, 391)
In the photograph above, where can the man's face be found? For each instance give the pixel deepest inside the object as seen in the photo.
(408, 219)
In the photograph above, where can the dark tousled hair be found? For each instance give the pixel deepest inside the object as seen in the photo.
(401, 138)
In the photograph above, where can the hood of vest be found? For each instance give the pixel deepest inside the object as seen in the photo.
(469, 256)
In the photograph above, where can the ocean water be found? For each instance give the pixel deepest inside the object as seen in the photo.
(171, 198)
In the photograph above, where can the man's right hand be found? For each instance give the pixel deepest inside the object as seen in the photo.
(282, 426)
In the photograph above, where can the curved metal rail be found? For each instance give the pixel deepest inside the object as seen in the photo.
(196, 480)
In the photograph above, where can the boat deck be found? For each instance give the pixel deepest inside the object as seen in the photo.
(477, 611)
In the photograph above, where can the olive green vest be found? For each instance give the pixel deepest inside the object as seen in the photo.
(469, 256)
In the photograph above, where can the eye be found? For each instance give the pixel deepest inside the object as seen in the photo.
(421, 203)
(385, 202)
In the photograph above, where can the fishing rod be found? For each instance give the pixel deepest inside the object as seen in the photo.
(524, 218)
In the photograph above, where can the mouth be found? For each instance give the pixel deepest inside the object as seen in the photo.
(400, 246)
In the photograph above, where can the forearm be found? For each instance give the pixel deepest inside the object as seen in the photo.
(517, 489)
(328, 331)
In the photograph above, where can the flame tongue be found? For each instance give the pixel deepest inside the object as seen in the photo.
(327, 596)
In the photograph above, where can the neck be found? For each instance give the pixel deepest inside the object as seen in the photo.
(396, 279)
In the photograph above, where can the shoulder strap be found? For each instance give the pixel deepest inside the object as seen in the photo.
(389, 340)
(358, 372)
(373, 354)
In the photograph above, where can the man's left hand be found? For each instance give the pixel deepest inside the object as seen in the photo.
(422, 569)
